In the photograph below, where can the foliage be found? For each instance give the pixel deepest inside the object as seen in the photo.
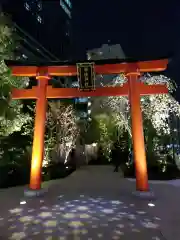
(11, 116)
(89, 131)
(157, 108)
(13, 151)
(14, 155)
(105, 140)
(62, 129)
(14, 124)
(14, 160)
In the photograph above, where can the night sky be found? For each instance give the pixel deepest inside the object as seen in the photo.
(143, 28)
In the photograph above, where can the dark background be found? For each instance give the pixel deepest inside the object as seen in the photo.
(143, 28)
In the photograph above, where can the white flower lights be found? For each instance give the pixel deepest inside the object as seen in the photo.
(156, 108)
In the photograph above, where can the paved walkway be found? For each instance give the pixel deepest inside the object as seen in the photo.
(93, 203)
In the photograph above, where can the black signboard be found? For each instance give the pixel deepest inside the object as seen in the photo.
(86, 76)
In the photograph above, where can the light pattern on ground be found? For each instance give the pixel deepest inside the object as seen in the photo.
(85, 218)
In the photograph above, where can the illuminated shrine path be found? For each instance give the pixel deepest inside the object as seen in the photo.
(92, 203)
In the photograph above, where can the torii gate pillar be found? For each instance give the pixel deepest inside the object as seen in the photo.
(38, 139)
(137, 133)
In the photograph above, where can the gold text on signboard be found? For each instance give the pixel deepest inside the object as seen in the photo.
(86, 76)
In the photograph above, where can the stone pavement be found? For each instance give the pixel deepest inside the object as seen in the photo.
(93, 203)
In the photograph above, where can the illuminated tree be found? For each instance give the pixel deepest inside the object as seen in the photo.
(62, 130)
(112, 116)
(11, 116)
(156, 110)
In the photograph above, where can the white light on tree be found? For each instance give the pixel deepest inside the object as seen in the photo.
(11, 116)
(63, 129)
(156, 108)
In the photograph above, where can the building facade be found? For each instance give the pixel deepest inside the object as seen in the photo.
(106, 51)
(47, 22)
(30, 49)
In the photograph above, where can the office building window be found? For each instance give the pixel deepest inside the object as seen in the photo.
(24, 56)
(27, 7)
(39, 19)
(39, 6)
(68, 2)
(65, 8)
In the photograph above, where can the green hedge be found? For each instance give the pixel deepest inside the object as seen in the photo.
(11, 175)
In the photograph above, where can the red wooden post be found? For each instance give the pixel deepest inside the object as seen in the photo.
(38, 140)
(137, 133)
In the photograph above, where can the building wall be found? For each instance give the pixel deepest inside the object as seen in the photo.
(105, 52)
(46, 21)
(30, 49)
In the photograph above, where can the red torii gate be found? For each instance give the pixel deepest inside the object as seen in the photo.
(133, 88)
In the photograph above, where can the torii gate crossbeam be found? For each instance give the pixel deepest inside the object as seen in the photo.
(133, 89)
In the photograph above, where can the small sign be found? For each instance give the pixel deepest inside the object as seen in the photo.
(86, 76)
